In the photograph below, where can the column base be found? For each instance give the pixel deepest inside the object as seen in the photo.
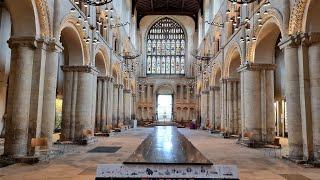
(6, 160)
(295, 152)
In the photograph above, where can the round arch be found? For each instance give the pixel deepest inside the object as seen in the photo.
(267, 39)
(310, 22)
(73, 48)
(100, 64)
(233, 61)
(29, 25)
(116, 73)
(69, 21)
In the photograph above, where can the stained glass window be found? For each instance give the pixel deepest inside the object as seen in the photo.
(166, 48)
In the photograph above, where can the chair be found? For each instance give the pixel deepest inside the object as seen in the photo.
(42, 143)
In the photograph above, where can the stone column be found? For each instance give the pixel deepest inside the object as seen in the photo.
(127, 105)
(230, 120)
(69, 98)
(99, 104)
(252, 103)
(223, 101)
(211, 106)
(49, 94)
(133, 115)
(120, 105)
(37, 90)
(314, 71)
(217, 108)
(110, 101)
(115, 114)
(204, 107)
(292, 92)
(20, 83)
(104, 104)
(235, 106)
(78, 105)
(257, 97)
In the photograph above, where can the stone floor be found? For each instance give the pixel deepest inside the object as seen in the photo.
(78, 164)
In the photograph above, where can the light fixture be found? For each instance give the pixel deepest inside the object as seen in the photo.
(214, 24)
(119, 25)
(243, 2)
(96, 2)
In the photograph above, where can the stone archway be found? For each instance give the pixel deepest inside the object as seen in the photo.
(164, 104)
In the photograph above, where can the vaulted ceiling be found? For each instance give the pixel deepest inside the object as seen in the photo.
(168, 7)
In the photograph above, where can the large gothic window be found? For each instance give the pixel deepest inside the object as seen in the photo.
(166, 45)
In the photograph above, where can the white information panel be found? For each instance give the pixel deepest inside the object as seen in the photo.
(120, 171)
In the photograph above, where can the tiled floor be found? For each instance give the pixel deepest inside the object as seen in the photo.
(252, 163)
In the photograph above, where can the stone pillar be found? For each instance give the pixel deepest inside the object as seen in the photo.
(127, 104)
(223, 101)
(49, 94)
(115, 113)
(99, 104)
(204, 107)
(69, 98)
(134, 107)
(211, 106)
(78, 105)
(257, 97)
(235, 106)
(110, 101)
(252, 103)
(230, 120)
(314, 71)
(18, 107)
(120, 105)
(37, 90)
(104, 104)
(217, 108)
(292, 92)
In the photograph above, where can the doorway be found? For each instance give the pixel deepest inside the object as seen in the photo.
(164, 108)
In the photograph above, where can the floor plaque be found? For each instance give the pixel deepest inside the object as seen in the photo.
(121, 171)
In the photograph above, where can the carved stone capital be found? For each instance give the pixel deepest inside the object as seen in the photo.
(232, 79)
(85, 69)
(214, 88)
(311, 38)
(15, 42)
(256, 67)
(118, 86)
(127, 91)
(292, 41)
(205, 92)
(103, 78)
(55, 46)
